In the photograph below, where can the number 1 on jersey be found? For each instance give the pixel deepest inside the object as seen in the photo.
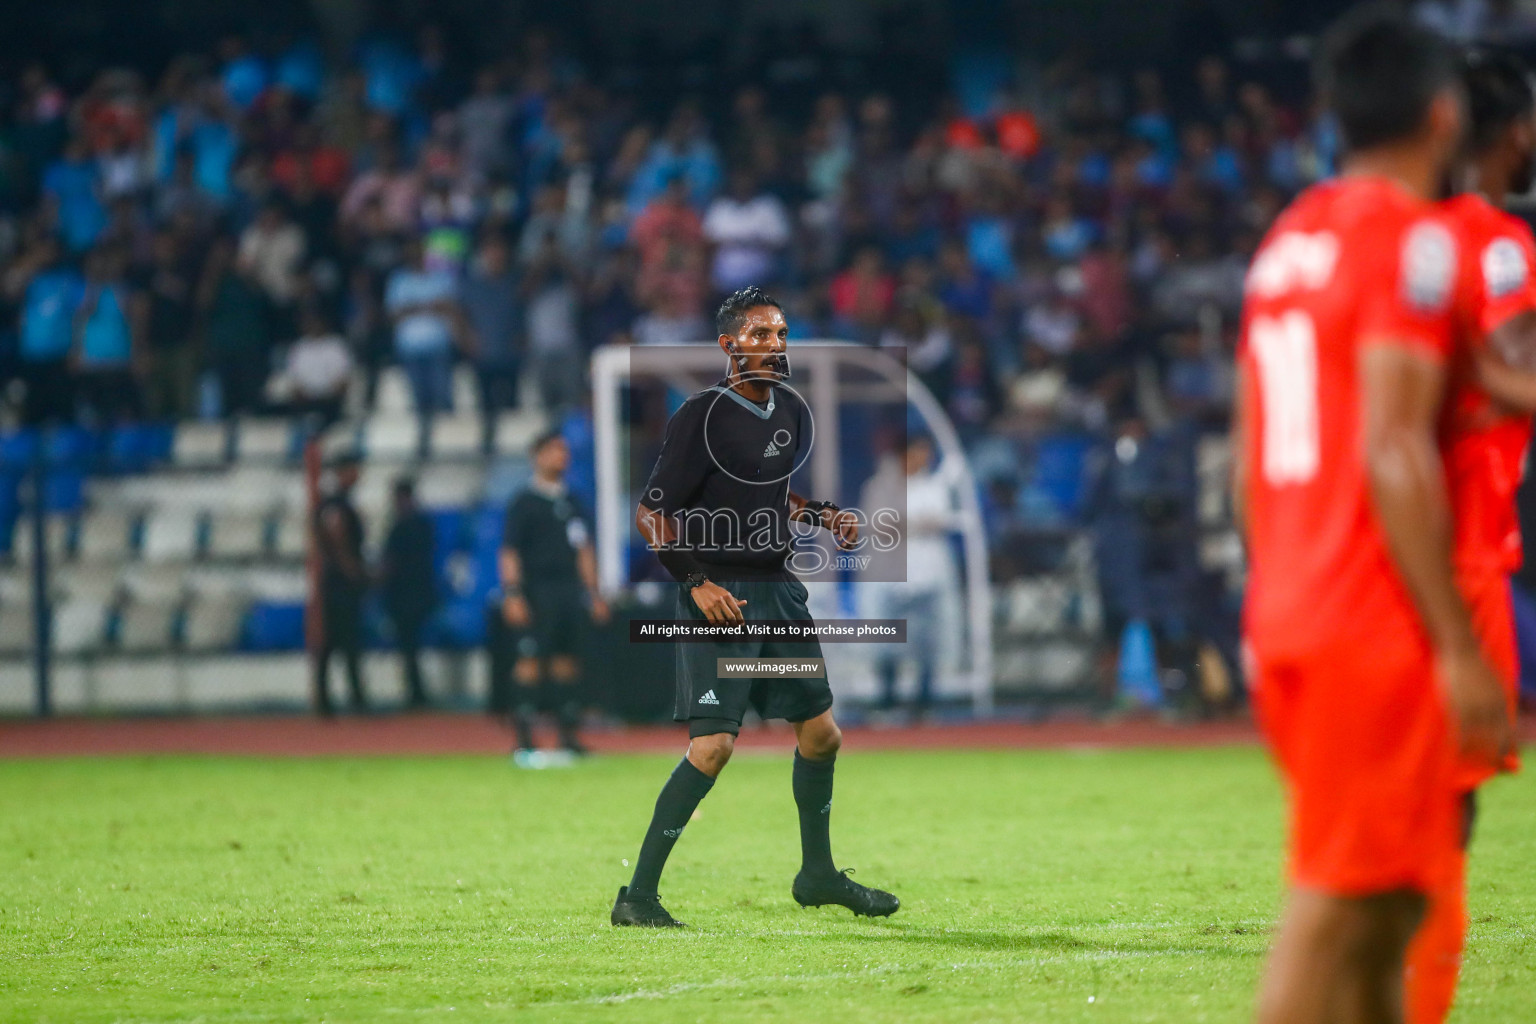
(1285, 348)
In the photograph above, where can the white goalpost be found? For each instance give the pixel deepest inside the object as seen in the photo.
(822, 373)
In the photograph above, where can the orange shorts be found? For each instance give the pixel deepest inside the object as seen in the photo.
(1493, 617)
(1363, 741)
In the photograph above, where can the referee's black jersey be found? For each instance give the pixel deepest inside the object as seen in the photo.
(546, 532)
(723, 474)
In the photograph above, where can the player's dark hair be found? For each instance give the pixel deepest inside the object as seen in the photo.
(544, 440)
(1498, 94)
(1378, 71)
(733, 311)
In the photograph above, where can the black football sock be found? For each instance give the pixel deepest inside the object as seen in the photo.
(813, 797)
(569, 718)
(674, 807)
(523, 713)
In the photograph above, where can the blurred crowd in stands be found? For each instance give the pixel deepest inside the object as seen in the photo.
(257, 228)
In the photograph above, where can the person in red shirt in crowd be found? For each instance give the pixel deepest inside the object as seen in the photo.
(326, 166)
(667, 224)
(863, 295)
(1487, 428)
(1365, 665)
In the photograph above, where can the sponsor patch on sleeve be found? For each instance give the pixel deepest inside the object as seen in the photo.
(1504, 267)
(1429, 266)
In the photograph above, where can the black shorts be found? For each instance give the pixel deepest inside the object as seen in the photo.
(713, 704)
(560, 620)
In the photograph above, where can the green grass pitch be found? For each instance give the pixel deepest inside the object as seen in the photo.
(1036, 886)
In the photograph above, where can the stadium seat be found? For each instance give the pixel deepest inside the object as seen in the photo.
(214, 623)
(466, 391)
(263, 440)
(64, 489)
(393, 397)
(199, 445)
(57, 532)
(72, 447)
(132, 448)
(456, 437)
(106, 536)
(292, 539)
(79, 625)
(390, 438)
(155, 582)
(18, 449)
(515, 431)
(88, 582)
(16, 632)
(449, 486)
(144, 626)
(271, 626)
(171, 535)
(237, 535)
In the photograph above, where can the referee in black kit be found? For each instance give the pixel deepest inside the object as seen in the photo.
(717, 511)
(549, 598)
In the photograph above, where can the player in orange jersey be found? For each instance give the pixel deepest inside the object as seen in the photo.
(1487, 428)
(1364, 662)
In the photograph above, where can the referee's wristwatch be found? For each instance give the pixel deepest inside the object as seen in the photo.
(695, 579)
(819, 509)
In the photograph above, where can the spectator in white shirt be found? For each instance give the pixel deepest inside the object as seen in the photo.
(318, 371)
(748, 229)
(272, 251)
(926, 515)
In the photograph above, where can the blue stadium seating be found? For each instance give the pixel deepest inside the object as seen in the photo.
(273, 626)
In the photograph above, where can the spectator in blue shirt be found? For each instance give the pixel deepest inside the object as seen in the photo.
(104, 342)
(423, 304)
(71, 187)
(51, 291)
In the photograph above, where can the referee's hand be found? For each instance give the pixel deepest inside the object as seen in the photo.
(514, 610)
(719, 606)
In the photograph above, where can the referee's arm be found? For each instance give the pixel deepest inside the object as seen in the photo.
(514, 607)
(842, 523)
(719, 605)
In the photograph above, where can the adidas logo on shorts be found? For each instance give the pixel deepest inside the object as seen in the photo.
(709, 698)
(771, 450)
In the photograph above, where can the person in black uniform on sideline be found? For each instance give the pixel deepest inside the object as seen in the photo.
(343, 584)
(549, 594)
(407, 584)
(717, 510)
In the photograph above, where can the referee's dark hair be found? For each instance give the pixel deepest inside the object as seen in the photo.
(1498, 94)
(733, 311)
(1379, 71)
(544, 440)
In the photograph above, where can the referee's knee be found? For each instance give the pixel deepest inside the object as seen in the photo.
(709, 754)
(821, 744)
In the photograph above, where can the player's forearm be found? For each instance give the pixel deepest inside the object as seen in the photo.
(1512, 387)
(586, 566)
(661, 535)
(511, 569)
(1408, 489)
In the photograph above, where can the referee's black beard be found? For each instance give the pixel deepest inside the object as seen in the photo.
(774, 368)
(777, 366)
